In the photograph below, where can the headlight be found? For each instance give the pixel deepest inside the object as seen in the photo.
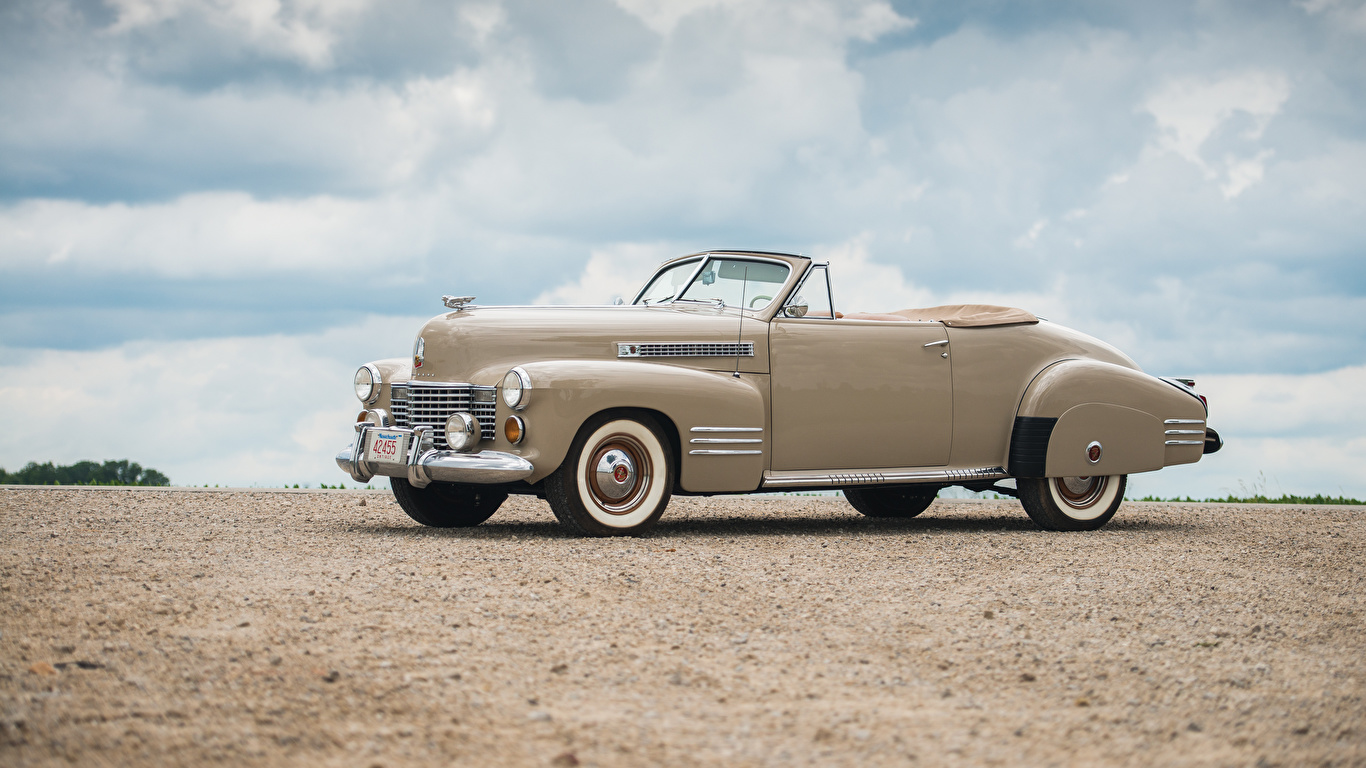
(516, 385)
(368, 383)
(462, 432)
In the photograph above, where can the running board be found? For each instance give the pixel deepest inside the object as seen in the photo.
(880, 477)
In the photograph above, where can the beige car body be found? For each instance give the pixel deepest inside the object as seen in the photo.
(821, 403)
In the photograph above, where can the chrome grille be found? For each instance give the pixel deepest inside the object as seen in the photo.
(685, 349)
(398, 405)
(430, 406)
(484, 412)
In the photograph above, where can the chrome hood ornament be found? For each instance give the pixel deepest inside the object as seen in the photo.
(457, 303)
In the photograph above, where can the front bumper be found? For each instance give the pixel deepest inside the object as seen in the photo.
(424, 464)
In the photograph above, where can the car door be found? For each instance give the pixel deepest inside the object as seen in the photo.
(859, 394)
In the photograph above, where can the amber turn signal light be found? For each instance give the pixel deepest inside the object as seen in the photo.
(514, 429)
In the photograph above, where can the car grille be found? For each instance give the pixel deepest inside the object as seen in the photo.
(428, 406)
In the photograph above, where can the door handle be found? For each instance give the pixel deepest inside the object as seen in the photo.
(941, 342)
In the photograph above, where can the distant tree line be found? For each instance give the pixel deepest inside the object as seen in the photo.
(84, 473)
(1317, 500)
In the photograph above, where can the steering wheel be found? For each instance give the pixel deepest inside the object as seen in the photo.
(758, 299)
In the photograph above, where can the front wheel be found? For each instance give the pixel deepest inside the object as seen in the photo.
(1071, 503)
(894, 501)
(448, 505)
(616, 479)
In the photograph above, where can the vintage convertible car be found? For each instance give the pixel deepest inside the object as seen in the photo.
(732, 372)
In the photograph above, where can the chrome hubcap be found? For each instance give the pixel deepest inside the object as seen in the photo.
(1081, 492)
(615, 475)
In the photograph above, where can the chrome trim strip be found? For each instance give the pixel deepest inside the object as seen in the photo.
(1184, 421)
(1185, 442)
(726, 429)
(726, 440)
(883, 476)
(724, 453)
(425, 383)
(655, 349)
(1185, 431)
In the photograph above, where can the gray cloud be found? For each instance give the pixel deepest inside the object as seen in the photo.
(188, 181)
(1011, 149)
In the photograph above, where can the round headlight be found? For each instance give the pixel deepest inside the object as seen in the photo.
(368, 383)
(516, 384)
(462, 432)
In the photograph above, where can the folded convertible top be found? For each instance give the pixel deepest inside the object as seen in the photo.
(955, 315)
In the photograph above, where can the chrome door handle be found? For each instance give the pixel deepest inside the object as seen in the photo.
(937, 343)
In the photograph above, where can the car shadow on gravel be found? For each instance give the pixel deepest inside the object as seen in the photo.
(794, 526)
(824, 526)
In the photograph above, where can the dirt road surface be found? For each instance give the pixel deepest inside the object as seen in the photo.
(325, 628)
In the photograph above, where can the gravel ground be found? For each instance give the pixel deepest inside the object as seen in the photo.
(179, 627)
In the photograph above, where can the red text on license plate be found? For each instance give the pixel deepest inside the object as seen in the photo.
(386, 446)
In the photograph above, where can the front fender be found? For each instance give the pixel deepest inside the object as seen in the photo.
(566, 393)
(1074, 403)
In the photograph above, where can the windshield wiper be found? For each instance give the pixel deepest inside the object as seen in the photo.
(713, 302)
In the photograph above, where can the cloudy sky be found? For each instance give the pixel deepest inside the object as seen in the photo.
(212, 211)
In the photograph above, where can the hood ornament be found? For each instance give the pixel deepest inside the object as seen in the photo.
(457, 303)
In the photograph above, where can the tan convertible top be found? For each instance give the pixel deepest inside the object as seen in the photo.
(955, 315)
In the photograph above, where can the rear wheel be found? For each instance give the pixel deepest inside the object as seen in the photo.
(1071, 503)
(616, 479)
(448, 505)
(893, 501)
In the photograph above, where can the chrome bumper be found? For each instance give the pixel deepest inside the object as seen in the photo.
(426, 465)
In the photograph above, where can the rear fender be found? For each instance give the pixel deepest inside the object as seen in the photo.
(1074, 404)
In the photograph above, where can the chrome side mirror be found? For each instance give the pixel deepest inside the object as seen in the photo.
(795, 310)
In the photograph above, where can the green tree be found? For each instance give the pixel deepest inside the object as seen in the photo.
(122, 472)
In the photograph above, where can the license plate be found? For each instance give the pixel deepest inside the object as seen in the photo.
(386, 447)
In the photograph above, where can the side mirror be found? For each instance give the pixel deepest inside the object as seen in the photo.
(618, 301)
(796, 310)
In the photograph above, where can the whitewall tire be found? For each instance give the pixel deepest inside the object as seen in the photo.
(1072, 503)
(616, 479)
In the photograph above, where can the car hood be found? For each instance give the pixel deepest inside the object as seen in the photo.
(479, 344)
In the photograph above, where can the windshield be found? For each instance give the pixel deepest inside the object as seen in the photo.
(737, 282)
(668, 283)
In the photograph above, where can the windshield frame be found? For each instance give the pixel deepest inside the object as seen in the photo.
(708, 257)
(701, 261)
